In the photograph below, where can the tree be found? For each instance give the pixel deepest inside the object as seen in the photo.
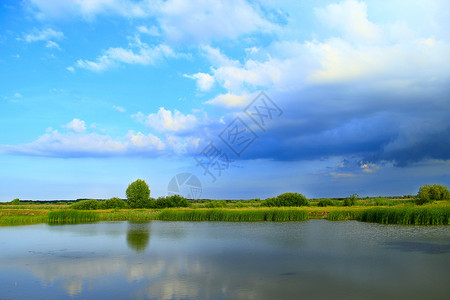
(350, 201)
(429, 193)
(138, 194)
(15, 201)
(287, 199)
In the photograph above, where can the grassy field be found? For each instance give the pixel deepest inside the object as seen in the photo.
(378, 210)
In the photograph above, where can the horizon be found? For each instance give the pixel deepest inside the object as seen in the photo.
(253, 98)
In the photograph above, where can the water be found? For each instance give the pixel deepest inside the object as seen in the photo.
(206, 260)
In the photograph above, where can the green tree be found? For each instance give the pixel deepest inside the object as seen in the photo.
(138, 194)
(350, 201)
(287, 199)
(429, 193)
(15, 201)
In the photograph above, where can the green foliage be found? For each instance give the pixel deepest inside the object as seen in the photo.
(327, 202)
(287, 199)
(407, 215)
(171, 201)
(112, 203)
(234, 215)
(15, 201)
(350, 201)
(72, 216)
(138, 194)
(341, 215)
(86, 205)
(429, 193)
(216, 204)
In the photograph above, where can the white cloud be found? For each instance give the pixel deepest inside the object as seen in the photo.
(166, 121)
(76, 125)
(178, 21)
(153, 30)
(210, 20)
(51, 44)
(230, 100)
(70, 69)
(204, 80)
(42, 35)
(82, 144)
(350, 17)
(88, 9)
(17, 95)
(119, 108)
(143, 55)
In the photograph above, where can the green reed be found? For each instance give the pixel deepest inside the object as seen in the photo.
(407, 215)
(233, 215)
(21, 220)
(71, 216)
(342, 215)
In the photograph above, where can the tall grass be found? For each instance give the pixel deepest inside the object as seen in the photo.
(19, 220)
(71, 216)
(407, 215)
(342, 215)
(233, 215)
(129, 215)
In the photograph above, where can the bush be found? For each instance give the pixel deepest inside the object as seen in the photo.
(216, 204)
(350, 201)
(171, 201)
(287, 199)
(15, 201)
(327, 202)
(86, 205)
(112, 203)
(138, 194)
(429, 193)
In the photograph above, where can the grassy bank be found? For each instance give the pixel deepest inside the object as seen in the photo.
(434, 214)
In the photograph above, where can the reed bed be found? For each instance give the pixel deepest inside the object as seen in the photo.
(22, 220)
(343, 215)
(233, 215)
(128, 215)
(71, 216)
(407, 215)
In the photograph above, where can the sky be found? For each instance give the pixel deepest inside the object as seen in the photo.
(253, 98)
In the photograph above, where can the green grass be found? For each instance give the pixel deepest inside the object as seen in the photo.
(343, 215)
(407, 215)
(233, 215)
(71, 216)
(21, 220)
(129, 215)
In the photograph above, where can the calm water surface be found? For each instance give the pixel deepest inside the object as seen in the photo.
(212, 260)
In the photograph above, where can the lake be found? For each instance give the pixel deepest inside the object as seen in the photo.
(214, 260)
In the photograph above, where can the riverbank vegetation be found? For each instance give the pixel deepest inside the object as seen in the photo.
(431, 206)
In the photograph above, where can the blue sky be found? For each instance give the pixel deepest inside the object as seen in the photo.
(97, 93)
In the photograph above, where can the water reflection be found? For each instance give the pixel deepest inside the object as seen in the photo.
(222, 261)
(138, 236)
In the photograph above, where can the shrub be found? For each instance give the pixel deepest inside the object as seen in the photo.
(429, 193)
(112, 203)
(287, 199)
(171, 201)
(86, 205)
(216, 204)
(350, 201)
(138, 194)
(15, 201)
(326, 202)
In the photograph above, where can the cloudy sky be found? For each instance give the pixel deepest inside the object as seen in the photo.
(255, 98)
